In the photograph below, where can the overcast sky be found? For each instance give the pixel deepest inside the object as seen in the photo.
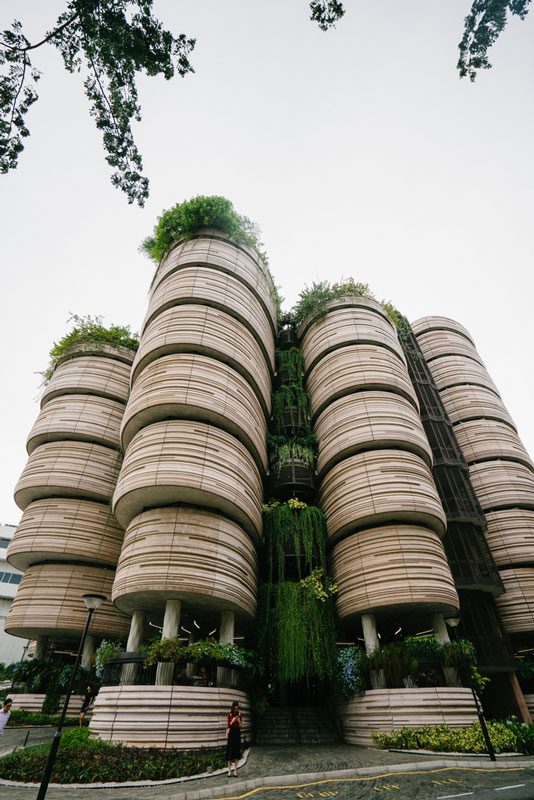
(358, 151)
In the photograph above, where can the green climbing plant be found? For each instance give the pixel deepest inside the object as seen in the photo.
(290, 366)
(297, 529)
(290, 400)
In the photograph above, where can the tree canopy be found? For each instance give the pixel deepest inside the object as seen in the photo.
(110, 41)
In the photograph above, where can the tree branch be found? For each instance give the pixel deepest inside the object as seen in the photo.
(43, 41)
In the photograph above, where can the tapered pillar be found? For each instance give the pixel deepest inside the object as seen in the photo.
(135, 637)
(440, 629)
(226, 636)
(88, 653)
(171, 626)
(370, 633)
(41, 647)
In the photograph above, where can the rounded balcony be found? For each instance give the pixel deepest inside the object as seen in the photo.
(510, 536)
(68, 469)
(464, 403)
(62, 529)
(195, 387)
(182, 461)
(485, 439)
(195, 556)
(49, 603)
(209, 287)
(369, 421)
(94, 375)
(79, 417)
(208, 332)
(502, 484)
(450, 371)
(516, 605)
(344, 325)
(394, 568)
(424, 324)
(377, 487)
(214, 249)
(356, 367)
(437, 343)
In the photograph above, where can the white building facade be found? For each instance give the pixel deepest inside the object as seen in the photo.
(11, 647)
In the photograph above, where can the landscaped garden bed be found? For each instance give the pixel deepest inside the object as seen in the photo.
(509, 736)
(84, 760)
(20, 718)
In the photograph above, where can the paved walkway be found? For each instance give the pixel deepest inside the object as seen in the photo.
(263, 762)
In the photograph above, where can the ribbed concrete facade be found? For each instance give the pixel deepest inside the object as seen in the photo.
(377, 489)
(501, 470)
(68, 540)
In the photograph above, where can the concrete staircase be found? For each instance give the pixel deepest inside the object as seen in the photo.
(290, 726)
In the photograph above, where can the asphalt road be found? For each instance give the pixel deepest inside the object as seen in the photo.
(441, 784)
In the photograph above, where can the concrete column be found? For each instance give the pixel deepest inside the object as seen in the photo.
(171, 626)
(370, 633)
(440, 629)
(226, 636)
(136, 631)
(41, 647)
(88, 652)
(135, 637)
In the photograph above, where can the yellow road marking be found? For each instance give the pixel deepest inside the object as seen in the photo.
(367, 778)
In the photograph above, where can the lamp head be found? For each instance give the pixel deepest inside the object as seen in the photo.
(93, 601)
(453, 622)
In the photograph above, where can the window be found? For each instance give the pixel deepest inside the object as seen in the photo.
(4, 542)
(10, 577)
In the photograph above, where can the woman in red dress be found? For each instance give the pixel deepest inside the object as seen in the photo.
(234, 722)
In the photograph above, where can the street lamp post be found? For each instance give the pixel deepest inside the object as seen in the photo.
(92, 602)
(453, 624)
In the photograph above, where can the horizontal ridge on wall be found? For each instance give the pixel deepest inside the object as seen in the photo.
(197, 388)
(93, 375)
(425, 324)
(68, 469)
(502, 484)
(208, 287)
(510, 536)
(464, 403)
(63, 529)
(483, 440)
(345, 326)
(436, 344)
(450, 371)
(209, 332)
(78, 417)
(516, 605)
(219, 252)
(401, 566)
(380, 486)
(368, 421)
(49, 601)
(355, 368)
(182, 461)
(189, 554)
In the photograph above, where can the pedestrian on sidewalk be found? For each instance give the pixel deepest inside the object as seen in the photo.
(88, 700)
(233, 738)
(5, 714)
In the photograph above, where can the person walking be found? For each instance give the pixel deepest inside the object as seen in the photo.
(5, 714)
(88, 700)
(234, 723)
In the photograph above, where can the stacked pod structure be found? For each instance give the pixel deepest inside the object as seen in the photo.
(384, 518)
(68, 541)
(190, 490)
(501, 471)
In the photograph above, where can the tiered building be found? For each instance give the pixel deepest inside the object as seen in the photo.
(427, 490)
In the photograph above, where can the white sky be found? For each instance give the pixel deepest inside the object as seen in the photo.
(358, 151)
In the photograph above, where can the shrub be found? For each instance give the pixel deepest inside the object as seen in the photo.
(441, 738)
(84, 760)
(106, 651)
(351, 671)
(21, 717)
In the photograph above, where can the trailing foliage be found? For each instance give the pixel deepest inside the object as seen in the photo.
(290, 401)
(290, 366)
(109, 42)
(192, 216)
(313, 300)
(84, 760)
(351, 671)
(90, 330)
(443, 739)
(105, 651)
(318, 585)
(296, 529)
(205, 651)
